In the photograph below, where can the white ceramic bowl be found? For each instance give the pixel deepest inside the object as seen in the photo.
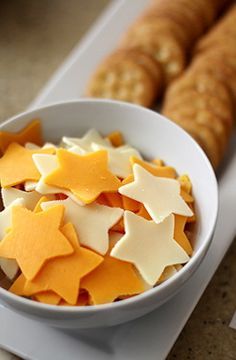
(155, 136)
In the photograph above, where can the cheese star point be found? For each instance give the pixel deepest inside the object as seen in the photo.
(17, 166)
(119, 158)
(31, 133)
(84, 144)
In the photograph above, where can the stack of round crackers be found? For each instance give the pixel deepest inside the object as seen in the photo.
(154, 50)
(202, 100)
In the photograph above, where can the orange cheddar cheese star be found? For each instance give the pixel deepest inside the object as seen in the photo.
(35, 238)
(17, 166)
(62, 275)
(82, 300)
(85, 176)
(112, 279)
(179, 234)
(48, 297)
(31, 133)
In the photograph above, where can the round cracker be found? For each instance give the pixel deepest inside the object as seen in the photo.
(152, 26)
(125, 80)
(143, 59)
(164, 49)
(182, 15)
(218, 68)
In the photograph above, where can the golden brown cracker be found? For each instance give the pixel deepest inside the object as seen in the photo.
(202, 117)
(143, 59)
(152, 26)
(164, 49)
(191, 99)
(206, 138)
(124, 80)
(203, 83)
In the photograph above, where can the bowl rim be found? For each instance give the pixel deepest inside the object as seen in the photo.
(194, 260)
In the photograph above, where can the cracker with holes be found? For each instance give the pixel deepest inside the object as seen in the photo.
(123, 80)
(166, 50)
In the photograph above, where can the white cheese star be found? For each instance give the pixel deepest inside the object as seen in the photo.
(149, 246)
(30, 198)
(8, 266)
(31, 185)
(84, 143)
(92, 222)
(119, 158)
(160, 196)
(45, 165)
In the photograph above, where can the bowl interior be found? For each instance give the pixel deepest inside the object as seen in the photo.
(152, 134)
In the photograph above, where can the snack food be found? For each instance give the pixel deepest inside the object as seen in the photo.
(95, 214)
(125, 79)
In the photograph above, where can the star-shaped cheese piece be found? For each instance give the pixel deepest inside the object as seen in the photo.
(85, 176)
(45, 165)
(128, 203)
(84, 144)
(62, 275)
(17, 166)
(112, 279)
(82, 300)
(180, 236)
(119, 158)
(32, 132)
(31, 198)
(48, 297)
(149, 246)
(35, 238)
(8, 266)
(92, 222)
(160, 196)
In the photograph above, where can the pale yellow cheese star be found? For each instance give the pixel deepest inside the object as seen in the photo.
(119, 158)
(149, 246)
(83, 144)
(31, 198)
(160, 196)
(8, 266)
(92, 222)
